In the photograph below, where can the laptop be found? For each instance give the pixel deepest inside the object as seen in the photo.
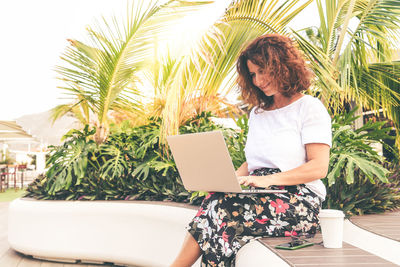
(204, 163)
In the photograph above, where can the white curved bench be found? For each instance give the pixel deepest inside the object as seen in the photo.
(122, 232)
(383, 247)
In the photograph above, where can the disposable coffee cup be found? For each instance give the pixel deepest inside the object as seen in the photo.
(332, 227)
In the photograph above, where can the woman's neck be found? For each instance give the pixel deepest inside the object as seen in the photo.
(281, 101)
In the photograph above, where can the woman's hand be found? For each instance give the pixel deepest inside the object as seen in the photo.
(256, 181)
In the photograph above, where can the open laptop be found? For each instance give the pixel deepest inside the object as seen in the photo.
(204, 163)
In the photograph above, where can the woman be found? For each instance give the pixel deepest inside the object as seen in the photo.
(287, 147)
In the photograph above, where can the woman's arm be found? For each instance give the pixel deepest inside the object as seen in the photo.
(315, 168)
(242, 170)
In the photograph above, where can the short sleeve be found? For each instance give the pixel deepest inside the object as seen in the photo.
(316, 124)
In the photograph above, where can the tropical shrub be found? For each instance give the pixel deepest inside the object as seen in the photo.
(357, 181)
(352, 150)
(362, 196)
(130, 165)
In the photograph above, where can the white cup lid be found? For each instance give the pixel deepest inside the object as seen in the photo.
(330, 213)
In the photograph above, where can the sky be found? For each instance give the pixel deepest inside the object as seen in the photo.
(34, 35)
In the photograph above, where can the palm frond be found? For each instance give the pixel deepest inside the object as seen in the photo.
(326, 74)
(375, 31)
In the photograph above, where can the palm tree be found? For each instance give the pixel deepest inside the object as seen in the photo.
(103, 76)
(351, 54)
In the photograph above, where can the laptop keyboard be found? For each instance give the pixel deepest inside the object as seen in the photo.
(251, 189)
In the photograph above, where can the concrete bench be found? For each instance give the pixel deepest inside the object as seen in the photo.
(146, 233)
(138, 233)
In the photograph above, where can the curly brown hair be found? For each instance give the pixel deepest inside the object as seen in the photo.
(283, 61)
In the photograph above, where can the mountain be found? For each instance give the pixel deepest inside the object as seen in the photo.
(40, 126)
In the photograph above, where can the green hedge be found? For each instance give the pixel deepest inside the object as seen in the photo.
(131, 165)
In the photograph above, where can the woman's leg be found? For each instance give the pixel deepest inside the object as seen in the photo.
(189, 253)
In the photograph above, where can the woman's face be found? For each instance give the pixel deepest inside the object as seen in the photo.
(262, 79)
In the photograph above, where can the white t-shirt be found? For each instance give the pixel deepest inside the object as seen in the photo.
(277, 138)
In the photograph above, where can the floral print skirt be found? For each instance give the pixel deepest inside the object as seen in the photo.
(227, 221)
